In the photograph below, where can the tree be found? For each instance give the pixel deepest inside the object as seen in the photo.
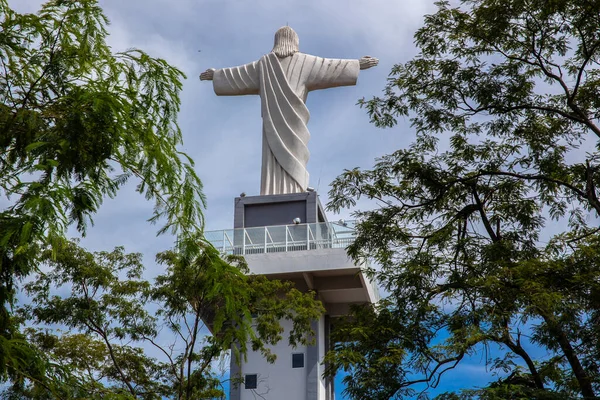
(77, 121)
(488, 239)
(115, 319)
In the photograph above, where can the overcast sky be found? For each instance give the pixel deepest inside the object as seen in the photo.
(223, 134)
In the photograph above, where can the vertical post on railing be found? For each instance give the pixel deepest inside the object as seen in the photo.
(266, 239)
(224, 235)
(307, 236)
(244, 241)
(286, 237)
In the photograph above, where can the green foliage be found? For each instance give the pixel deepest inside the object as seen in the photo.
(77, 121)
(114, 318)
(491, 236)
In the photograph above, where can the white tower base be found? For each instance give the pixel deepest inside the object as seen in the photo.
(311, 254)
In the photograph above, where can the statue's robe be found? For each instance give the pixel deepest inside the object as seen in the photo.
(283, 85)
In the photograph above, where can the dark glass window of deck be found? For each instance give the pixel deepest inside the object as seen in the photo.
(251, 381)
(298, 360)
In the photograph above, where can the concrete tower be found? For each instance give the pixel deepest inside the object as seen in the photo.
(288, 237)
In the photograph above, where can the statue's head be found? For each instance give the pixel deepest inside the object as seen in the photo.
(286, 42)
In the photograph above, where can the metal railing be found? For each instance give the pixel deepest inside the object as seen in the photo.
(283, 238)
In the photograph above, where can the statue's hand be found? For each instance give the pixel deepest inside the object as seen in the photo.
(207, 75)
(367, 62)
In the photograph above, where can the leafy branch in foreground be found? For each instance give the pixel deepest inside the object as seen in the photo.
(77, 121)
(489, 239)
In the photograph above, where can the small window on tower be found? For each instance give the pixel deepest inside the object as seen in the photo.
(251, 381)
(298, 360)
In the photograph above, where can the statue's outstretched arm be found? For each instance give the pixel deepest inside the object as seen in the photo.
(324, 73)
(233, 81)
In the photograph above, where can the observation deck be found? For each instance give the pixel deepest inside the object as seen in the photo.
(312, 255)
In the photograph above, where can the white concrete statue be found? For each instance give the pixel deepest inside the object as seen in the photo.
(283, 79)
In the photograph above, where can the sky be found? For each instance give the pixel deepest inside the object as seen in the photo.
(223, 134)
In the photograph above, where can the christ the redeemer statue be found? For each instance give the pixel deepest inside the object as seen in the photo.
(283, 79)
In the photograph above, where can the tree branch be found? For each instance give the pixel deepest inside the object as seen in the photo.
(590, 187)
(561, 337)
(428, 378)
(191, 353)
(484, 218)
(520, 351)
